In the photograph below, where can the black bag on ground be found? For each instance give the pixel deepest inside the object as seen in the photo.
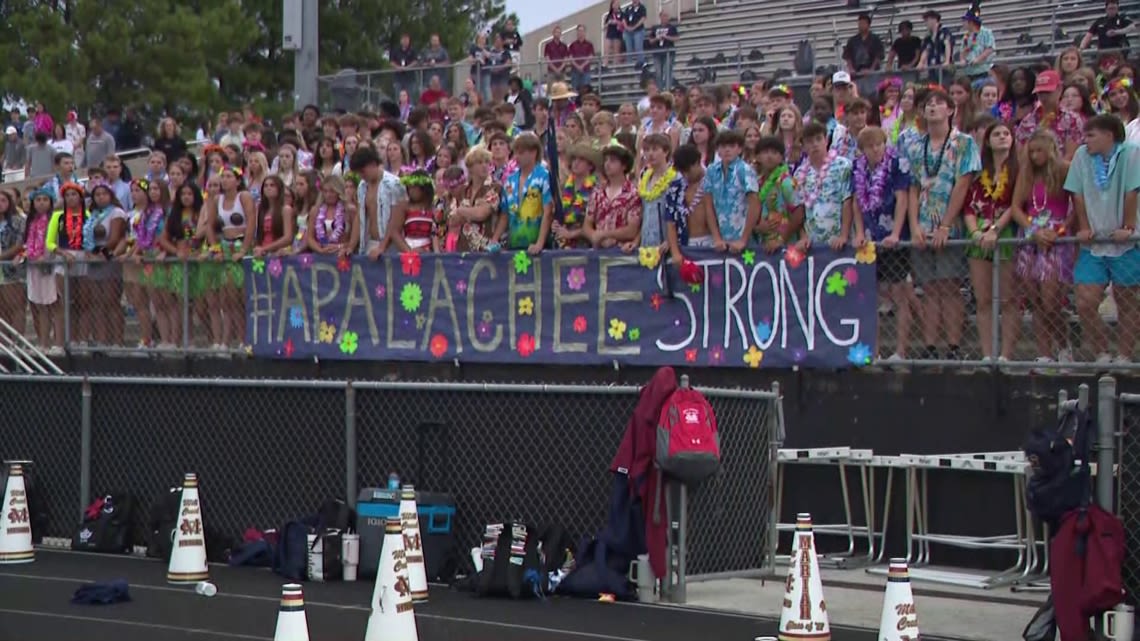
(163, 520)
(1043, 625)
(1061, 478)
(512, 566)
(108, 525)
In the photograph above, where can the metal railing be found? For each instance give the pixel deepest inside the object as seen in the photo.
(269, 451)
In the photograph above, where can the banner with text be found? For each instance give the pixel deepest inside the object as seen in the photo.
(574, 307)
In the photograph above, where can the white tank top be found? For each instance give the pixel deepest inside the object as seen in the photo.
(232, 217)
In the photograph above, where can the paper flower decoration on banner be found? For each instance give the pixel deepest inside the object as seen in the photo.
(522, 262)
(617, 329)
(749, 257)
(349, 341)
(410, 263)
(327, 332)
(411, 296)
(580, 325)
(634, 334)
(866, 253)
(763, 331)
(525, 345)
(716, 354)
(306, 261)
(275, 268)
(438, 345)
(343, 264)
(649, 257)
(859, 355)
(851, 276)
(381, 291)
(793, 256)
(655, 300)
(296, 317)
(836, 284)
(461, 287)
(288, 348)
(576, 279)
(526, 306)
(753, 357)
(258, 266)
(691, 355)
(484, 329)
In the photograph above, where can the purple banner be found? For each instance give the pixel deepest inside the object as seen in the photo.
(573, 307)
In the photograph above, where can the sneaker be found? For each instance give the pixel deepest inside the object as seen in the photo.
(1103, 358)
(1042, 365)
(1123, 362)
(1065, 356)
(55, 350)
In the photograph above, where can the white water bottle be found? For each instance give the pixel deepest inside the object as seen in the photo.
(350, 555)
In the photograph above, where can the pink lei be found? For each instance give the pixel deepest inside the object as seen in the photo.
(337, 225)
(37, 235)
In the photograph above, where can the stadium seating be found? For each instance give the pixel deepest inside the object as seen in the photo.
(724, 40)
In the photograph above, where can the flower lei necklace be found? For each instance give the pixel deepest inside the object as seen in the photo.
(147, 229)
(649, 194)
(74, 225)
(94, 220)
(574, 199)
(869, 193)
(36, 232)
(337, 224)
(188, 224)
(775, 177)
(812, 195)
(995, 192)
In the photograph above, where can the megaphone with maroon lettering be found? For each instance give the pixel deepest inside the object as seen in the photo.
(899, 621)
(15, 521)
(413, 544)
(804, 612)
(188, 552)
(393, 616)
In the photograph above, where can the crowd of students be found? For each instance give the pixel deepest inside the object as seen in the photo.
(1032, 155)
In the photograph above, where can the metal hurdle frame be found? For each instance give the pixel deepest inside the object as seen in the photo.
(841, 457)
(919, 537)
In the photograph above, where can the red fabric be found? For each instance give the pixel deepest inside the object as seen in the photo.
(691, 273)
(1085, 559)
(635, 456)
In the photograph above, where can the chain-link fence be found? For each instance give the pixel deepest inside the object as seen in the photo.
(1128, 489)
(270, 451)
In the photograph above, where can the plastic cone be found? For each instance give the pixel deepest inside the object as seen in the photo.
(15, 522)
(900, 620)
(188, 553)
(393, 616)
(413, 544)
(291, 622)
(804, 613)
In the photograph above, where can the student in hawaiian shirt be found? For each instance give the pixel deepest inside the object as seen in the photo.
(1104, 179)
(733, 187)
(781, 212)
(880, 189)
(662, 192)
(855, 120)
(569, 232)
(527, 198)
(823, 185)
(978, 45)
(613, 215)
(690, 228)
(1066, 125)
(942, 165)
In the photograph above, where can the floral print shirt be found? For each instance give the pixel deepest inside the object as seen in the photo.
(973, 44)
(610, 214)
(11, 234)
(823, 192)
(669, 208)
(935, 179)
(846, 146)
(526, 204)
(728, 188)
(779, 201)
(1069, 127)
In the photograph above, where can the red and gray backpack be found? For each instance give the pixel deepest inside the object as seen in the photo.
(688, 448)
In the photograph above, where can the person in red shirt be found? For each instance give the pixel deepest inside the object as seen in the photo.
(581, 60)
(434, 93)
(557, 56)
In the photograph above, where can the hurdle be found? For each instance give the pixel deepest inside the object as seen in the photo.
(841, 458)
(919, 537)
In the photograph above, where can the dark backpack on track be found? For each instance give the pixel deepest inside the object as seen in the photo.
(1061, 478)
(108, 525)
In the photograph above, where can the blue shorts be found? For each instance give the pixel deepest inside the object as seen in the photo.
(1123, 270)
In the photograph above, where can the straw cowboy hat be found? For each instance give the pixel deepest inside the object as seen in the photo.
(560, 91)
(587, 153)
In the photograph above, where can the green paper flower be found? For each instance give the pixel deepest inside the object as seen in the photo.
(258, 266)
(837, 284)
(634, 333)
(411, 296)
(522, 263)
(349, 341)
(749, 257)
(695, 287)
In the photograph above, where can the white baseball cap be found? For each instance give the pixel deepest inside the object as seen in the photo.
(841, 77)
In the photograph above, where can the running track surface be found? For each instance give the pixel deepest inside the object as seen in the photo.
(36, 605)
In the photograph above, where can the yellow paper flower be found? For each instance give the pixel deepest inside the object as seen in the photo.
(649, 257)
(753, 357)
(617, 329)
(526, 306)
(327, 332)
(866, 253)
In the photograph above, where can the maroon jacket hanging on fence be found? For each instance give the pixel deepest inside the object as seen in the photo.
(636, 454)
(1085, 556)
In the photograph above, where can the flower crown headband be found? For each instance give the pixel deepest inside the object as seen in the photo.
(70, 186)
(458, 181)
(234, 169)
(213, 149)
(782, 88)
(893, 81)
(352, 177)
(43, 191)
(92, 185)
(1120, 83)
(141, 183)
(416, 179)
